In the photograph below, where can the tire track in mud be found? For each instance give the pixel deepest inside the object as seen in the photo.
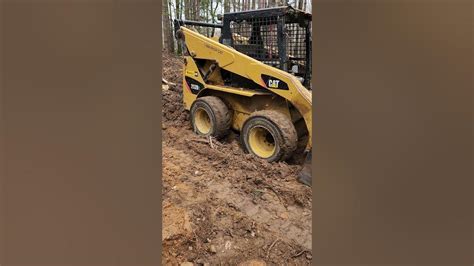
(292, 223)
(215, 204)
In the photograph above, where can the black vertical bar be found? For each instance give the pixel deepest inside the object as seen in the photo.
(307, 78)
(226, 34)
(282, 43)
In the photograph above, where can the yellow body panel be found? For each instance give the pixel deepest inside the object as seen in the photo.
(201, 47)
(238, 91)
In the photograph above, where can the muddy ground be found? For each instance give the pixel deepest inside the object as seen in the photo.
(222, 206)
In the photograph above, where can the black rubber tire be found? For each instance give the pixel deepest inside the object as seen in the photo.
(218, 112)
(281, 128)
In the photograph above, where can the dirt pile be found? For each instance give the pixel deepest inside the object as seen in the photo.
(173, 112)
(222, 206)
(172, 68)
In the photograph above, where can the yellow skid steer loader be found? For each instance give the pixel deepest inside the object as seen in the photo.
(255, 78)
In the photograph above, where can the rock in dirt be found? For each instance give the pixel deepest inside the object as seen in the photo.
(284, 215)
(213, 249)
(187, 263)
(178, 222)
(253, 263)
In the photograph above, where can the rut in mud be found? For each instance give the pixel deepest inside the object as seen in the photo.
(222, 206)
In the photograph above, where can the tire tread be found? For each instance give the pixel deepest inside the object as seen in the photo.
(222, 114)
(286, 128)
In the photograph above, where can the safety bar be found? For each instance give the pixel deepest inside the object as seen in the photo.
(180, 22)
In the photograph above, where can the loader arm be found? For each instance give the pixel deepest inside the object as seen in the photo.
(275, 80)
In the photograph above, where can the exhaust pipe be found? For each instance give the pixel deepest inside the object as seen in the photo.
(305, 175)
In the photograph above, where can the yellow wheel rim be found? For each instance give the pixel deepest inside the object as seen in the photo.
(261, 142)
(202, 121)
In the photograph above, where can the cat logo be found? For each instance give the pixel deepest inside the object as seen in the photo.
(273, 83)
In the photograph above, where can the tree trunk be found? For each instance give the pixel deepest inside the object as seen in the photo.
(207, 7)
(178, 9)
(178, 15)
(187, 8)
(197, 5)
(214, 15)
(226, 6)
(170, 23)
(300, 5)
(280, 3)
(168, 34)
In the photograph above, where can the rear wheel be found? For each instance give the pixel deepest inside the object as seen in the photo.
(210, 116)
(269, 135)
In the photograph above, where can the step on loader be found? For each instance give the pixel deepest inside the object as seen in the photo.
(253, 76)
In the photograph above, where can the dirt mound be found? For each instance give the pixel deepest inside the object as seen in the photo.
(173, 110)
(228, 207)
(172, 68)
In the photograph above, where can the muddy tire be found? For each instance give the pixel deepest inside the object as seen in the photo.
(269, 135)
(210, 116)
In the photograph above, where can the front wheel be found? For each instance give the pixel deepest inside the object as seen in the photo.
(210, 116)
(269, 135)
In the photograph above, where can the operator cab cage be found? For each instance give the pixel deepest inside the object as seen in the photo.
(279, 37)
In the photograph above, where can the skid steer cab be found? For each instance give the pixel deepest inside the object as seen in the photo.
(252, 74)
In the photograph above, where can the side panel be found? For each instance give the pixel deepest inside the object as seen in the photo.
(191, 80)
